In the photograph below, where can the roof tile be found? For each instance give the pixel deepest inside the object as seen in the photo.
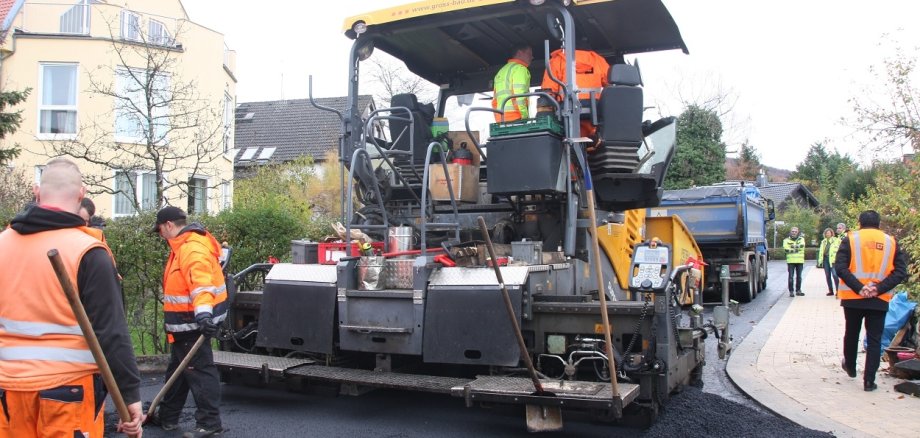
(295, 127)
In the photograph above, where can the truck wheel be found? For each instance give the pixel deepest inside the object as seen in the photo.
(755, 277)
(743, 292)
(765, 272)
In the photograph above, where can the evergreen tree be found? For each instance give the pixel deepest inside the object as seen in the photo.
(9, 121)
(749, 162)
(822, 169)
(700, 156)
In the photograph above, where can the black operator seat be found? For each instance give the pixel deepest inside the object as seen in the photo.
(620, 120)
(423, 116)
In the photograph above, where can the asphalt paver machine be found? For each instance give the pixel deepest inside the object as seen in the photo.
(512, 270)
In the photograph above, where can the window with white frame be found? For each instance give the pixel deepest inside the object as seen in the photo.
(197, 195)
(226, 192)
(76, 19)
(130, 186)
(130, 26)
(228, 122)
(57, 108)
(141, 116)
(157, 33)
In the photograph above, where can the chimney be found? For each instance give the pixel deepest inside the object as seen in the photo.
(761, 179)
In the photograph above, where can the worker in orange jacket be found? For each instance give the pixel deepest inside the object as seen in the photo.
(49, 380)
(591, 72)
(194, 303)
(869, 264)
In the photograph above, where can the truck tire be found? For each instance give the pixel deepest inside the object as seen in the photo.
(743, 292)
(765, 272)
(755, 277)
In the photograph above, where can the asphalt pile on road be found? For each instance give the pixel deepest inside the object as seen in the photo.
(697, 413)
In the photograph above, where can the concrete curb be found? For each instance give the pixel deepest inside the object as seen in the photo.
(742, 371)
(153, 363)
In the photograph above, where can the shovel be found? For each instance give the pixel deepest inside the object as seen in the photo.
(74, 299)
(539, 418)
(172, 379)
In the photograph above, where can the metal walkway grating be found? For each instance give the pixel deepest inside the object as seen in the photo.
(231, 359)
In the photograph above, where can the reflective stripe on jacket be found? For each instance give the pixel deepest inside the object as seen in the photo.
(831, 244)
(41, 344)
(591, 71)
(795, 249)
(871, 260)
(193, 281)
(513, 78)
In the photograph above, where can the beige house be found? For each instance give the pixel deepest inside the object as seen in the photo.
(141, 96)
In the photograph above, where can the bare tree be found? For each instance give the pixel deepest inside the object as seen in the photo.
(892, 121)
(163, 126)
(707, 92)
(389, 77)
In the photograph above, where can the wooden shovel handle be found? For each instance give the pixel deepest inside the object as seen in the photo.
(175, 375)
(71, 292)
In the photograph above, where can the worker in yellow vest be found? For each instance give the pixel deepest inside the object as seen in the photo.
(794, 245)
(513, 79)
(870, 264)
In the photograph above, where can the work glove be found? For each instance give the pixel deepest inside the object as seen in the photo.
(206, 324)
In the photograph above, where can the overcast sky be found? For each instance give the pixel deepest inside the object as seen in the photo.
(788, 66)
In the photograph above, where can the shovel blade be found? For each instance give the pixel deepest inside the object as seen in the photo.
(543, 418)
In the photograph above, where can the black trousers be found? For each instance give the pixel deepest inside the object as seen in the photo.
(875, 323)
(200, 377)
(795, 276)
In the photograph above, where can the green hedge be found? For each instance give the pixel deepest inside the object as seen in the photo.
(779, 254)
(253, 233)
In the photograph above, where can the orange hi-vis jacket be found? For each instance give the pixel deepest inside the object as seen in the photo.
(193, 281)
(591, 71)
(41, 344)
(871, 260)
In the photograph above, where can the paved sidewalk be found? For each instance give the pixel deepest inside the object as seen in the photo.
(790, 363)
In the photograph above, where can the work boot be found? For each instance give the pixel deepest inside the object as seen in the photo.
(869, 386)
(201, 432)
(156, 421)
(800, 293)
(850, 372)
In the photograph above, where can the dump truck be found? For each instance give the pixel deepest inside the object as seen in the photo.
(519, 273)
(729, 222)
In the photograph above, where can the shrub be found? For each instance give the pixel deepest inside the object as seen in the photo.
(256, 233)
(15, 192)
(141, 257)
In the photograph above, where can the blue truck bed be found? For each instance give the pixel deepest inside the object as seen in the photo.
(718, 215)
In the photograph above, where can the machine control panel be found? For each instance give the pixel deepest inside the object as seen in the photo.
(650, 268)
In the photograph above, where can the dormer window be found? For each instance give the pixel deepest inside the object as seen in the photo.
(157, 34)
(130, 26)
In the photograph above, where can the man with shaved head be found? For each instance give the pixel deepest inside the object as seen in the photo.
(49, 382)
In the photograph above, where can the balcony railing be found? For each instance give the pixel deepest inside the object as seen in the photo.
(100, 20)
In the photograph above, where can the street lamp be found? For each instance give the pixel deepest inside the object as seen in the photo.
(775, 224)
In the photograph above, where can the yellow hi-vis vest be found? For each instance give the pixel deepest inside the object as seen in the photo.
(513, 78)
(795, 249)
(871, 259)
